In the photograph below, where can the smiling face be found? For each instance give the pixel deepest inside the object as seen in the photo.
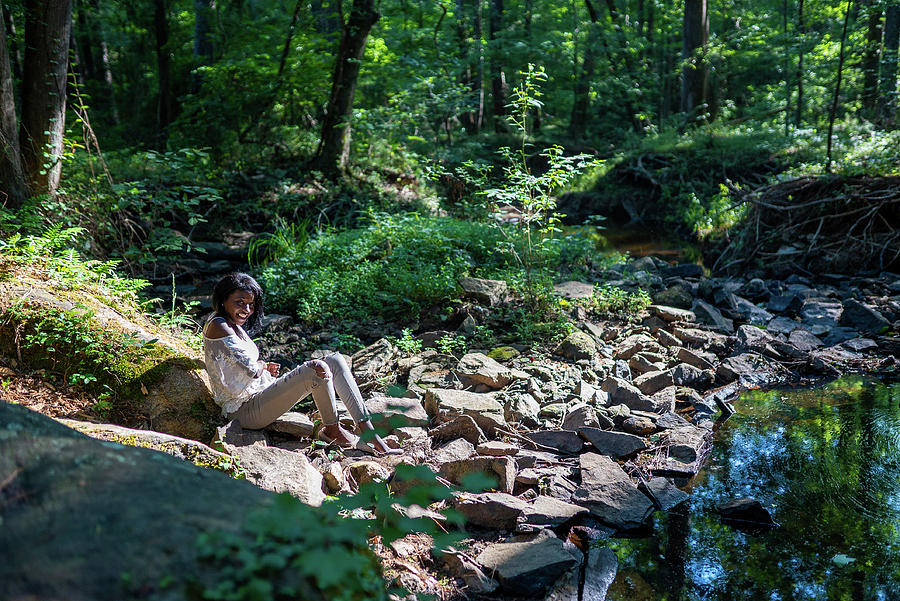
(239, 306)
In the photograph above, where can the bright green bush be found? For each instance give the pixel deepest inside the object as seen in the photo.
(400, 264)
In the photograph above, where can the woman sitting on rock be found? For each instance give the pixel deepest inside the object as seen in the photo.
(250, 391)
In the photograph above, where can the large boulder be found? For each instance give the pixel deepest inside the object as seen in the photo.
(483, 408)
(608, 492)
(527, 569)
(154, 381)
(87, 520)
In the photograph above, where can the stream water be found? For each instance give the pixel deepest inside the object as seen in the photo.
(826, 462)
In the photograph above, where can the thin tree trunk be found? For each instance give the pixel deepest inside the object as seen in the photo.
(694, 74)
(15, 56)
(48, 25)
(801, 35)
(334, 147)
(108, 80)
(837, 87)
(888, 85)
(469, 119)
(203, 46)
(13, 190)
(498, 79)
(583, 77)
(84, 42)
(787, 70)
(870, 60)
(477, 32)
(287, 41)
(164, 105)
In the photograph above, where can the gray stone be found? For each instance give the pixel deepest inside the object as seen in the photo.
(621, 370)
(483, 408)
(613, 444)
(293, 423)
(599, 574)
(747, 510)
(663, 493)
(462, 566)
(682, 270)
(783, 325)
(860, 345)
(666, 339)
(367, 471)
(460, 427)
(608, 492)
(502, 469)
(621, 392)
(642, 364)
(863, 318)
(674, 296)
(751, 313)
(519, 406)
(751, 369)
(278, 470)
(803, 340)
(454, 450)
(528, 569)
(496, 448)
(664, 399)
(577, 345)
(496, 510)
(701, 338)
(638, 425)
(394, 412)
(634, 344)
(578, 416)
(373, 362)
(654, 381)
(670, 314)
(688, 375)
(685, 443)
(549, 512)
(563, 441)
(709, 315)
(820, 316)
(670, 420)
(698, 359)
(476, 368)
(272, 322)
(487, 292)
(789, 304)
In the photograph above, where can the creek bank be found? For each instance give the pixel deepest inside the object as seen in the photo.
(584, 441)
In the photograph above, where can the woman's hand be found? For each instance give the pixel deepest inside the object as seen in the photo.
(321, 368)
(273, 368)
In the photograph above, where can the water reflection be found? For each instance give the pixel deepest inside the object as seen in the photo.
(826, 462)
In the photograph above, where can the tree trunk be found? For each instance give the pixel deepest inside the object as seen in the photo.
(694, 74)
(888, 103)
(84, 42)
(164, 105)
(870, 60)
(334, 147)
(582, 98)
(801, 34)
(48, 24)
(477, 32)
(203, 46)
(837, 88)
(13, 190)
(498, 79)
(15, 56)
(468, 119)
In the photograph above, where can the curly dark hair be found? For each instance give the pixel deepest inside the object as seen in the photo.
(245, 283)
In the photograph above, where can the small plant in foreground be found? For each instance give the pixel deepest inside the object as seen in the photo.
(407, 343)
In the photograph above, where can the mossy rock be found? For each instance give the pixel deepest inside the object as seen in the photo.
(503, 353)
(147, 378)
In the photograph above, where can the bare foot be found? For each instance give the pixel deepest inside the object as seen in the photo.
(339, 435)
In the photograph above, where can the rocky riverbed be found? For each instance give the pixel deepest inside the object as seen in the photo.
(584, 440)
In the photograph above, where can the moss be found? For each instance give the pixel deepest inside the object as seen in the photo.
(503, 353)
(196, 455)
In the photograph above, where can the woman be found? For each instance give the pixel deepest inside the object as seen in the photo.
(250, 391)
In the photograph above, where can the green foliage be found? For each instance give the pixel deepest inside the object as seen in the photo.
(610, 299)
(398, 265)
(451, 344)
(407, 343)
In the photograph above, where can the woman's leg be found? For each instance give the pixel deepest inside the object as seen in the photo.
(348, 391)
(266, 406)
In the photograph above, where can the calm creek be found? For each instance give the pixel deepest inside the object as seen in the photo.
(825, 461)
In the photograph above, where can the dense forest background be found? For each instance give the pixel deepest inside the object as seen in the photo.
(154, 124)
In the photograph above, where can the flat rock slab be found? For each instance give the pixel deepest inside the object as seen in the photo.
(396, 412)
(602, 567)
(549, 512)
(294, 424)
(622, 393)
(497, 448)
(496, 510)
(634, 344)
(528, 569)
(664, 494)
(686, 443)
(459, 427)
(563, 441)
(483, 408)
(501, 469)
(455, 450)
(279, 470)
(671, 314)
(653, 381)
(751, 369)
(608, 492)
(476, 368)
(613, 444)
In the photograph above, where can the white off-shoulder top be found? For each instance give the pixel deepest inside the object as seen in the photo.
(235, 371)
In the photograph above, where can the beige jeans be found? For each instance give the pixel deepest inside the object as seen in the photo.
(266, 406)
